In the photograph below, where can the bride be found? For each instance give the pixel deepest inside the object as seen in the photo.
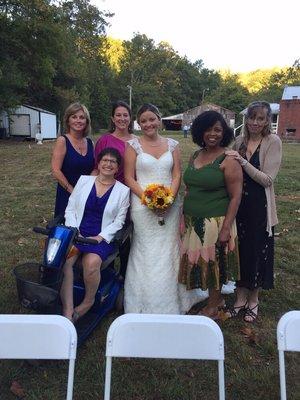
(152, 270)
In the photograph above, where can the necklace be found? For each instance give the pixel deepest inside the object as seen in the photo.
(79, 145)
(124, 138)
(153, 145)
(104, 183)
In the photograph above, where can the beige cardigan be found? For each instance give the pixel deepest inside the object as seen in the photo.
(269, 159)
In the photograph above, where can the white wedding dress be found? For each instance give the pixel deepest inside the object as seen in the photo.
(151, 283)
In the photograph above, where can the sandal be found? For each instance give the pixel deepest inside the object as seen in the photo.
(235, 311)
(222, 306)
(249, 312)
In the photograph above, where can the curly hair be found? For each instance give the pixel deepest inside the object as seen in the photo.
(207, 120)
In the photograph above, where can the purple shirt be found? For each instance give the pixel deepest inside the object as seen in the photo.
(108, 140)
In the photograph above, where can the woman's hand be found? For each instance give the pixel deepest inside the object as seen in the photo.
(236, 155)
(98, 238)
(224, 236)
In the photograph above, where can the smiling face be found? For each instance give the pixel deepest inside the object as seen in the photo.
(213, 136)
(257, 121)
(149, 123)
(121, 118)
(108, 166)
(77, 122)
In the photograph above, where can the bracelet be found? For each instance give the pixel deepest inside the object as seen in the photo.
(243, 162)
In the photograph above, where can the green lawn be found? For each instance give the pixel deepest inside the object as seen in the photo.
(27, 193)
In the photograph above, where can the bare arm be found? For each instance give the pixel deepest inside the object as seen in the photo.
(176, 171)
(129, 171)
(234, 182)
(58, 156)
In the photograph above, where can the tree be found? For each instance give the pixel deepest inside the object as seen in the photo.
(230, 93)
(51, 53)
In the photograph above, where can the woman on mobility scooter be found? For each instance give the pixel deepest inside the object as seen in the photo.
(97, 207)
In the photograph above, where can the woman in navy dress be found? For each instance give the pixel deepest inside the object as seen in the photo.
(97, 207)
(73, 154)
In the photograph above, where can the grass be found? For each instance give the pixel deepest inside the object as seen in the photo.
(27, 194)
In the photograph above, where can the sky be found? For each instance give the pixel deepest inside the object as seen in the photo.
(239, 35)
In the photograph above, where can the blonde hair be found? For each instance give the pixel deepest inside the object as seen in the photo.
(251, 111)
(73, 109)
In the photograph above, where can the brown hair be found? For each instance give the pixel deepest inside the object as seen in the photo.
(148, 107)
(73, 109)
(115, 105)
(251, 112)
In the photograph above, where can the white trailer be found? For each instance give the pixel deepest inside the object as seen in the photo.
(28, 121)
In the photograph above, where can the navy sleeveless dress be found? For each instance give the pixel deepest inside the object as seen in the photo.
(91, 224)
(74, 165)
(256, 247)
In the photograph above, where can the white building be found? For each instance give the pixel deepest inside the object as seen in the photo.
(28, 121)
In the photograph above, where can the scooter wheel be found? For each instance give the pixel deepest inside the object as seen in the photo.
(119, 304)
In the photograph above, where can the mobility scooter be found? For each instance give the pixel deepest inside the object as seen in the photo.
(38, 284)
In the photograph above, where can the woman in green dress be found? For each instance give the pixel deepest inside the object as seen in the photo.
(213, 193)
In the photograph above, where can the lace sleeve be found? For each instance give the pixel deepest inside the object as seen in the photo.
(135, 144)
(172, 144)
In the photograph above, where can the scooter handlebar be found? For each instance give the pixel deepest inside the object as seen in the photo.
(43, 231)
(86, 240)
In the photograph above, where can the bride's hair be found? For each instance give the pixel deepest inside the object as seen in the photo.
(148, 107)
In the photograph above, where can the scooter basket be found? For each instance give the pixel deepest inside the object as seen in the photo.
(38, 286)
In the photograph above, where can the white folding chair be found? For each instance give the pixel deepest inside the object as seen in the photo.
(164, 336)
(288, 339)
(39, 337)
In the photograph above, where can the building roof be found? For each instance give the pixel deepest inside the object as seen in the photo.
(38, 109)
(177, 116)
(274, 108)
(291, 92)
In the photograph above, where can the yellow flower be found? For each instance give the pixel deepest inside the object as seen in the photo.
(157, 196)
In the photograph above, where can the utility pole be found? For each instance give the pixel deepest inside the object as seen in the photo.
(130, 95)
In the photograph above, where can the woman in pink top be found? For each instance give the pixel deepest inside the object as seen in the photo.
(120, 132)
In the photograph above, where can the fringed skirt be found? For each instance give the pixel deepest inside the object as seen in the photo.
(205, 264)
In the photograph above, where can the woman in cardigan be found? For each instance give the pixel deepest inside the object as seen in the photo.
(97, 207)
(259, 153)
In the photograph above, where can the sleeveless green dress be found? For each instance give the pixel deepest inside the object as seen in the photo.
(205, 264)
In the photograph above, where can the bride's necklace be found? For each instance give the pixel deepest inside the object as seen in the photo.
(153, 145)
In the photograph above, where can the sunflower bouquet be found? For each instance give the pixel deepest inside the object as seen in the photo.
(157, 197)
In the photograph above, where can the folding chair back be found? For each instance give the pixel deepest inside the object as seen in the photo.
(39, 337)
(288, 339)
(165, 336)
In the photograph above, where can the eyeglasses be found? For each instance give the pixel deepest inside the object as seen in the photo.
(108, 161)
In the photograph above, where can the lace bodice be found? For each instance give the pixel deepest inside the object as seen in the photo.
(150, 169)
(151, 284)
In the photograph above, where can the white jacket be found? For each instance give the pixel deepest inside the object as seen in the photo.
(115, 211)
